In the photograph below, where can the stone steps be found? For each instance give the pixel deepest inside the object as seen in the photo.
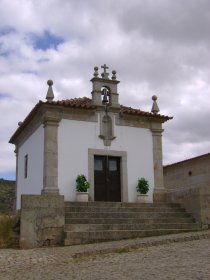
(123, 209)
(75, 238)
(140, 226)
(119, 204)
(91, 220)
(102, 221)
(125, 215)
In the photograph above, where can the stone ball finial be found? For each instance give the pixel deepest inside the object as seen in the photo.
(50, 94)
(50, 82)
(155, 109)
(95, 74)
(114, 77)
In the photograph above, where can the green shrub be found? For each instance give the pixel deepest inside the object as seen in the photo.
(82, 185)
(7, 196)
(6, 230)
(142, 186)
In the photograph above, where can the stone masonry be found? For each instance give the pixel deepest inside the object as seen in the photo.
(42, 220)
(188, 183)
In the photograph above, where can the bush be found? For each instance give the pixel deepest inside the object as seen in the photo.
(143, 186)
(6, 231)
(82, 185)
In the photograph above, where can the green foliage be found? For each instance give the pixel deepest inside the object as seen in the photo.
(82, 185)
(143, 186)
(6, 230)
(7, 196)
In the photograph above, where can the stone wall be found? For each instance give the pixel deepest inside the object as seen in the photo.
(195, 200)
(190, 173)
(188, 183)
(42, 220)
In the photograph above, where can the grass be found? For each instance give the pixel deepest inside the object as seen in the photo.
(7, 196)
(7, 234)
(7, 221)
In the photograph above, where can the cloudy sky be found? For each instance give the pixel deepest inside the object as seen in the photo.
(158, 47)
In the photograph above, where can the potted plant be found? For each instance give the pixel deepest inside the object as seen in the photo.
(82, 186)
(142, 190)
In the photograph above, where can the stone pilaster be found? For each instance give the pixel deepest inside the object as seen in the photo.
(50, 175)
(159, 190)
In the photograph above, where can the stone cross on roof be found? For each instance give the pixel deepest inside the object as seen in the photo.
(105, 75)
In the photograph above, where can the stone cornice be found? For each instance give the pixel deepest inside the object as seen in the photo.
(110, 109)
(79, 114)
(81, 109)
(156, 131)
(136, 121)
(98, 79)
(51, 118)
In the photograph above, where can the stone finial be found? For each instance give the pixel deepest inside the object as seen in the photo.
(105, 75)
(114, 77)
(95, 74)
(155, 108)
(50, 94)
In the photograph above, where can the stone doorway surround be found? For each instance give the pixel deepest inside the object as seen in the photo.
(123, 170)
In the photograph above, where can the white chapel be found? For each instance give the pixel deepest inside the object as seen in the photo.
(111, 144)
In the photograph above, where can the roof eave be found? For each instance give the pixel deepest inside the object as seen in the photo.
(26, 121)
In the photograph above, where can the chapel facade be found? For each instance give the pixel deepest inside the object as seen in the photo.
(111, 144)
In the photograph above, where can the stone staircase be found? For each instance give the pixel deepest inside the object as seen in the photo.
(90, 222)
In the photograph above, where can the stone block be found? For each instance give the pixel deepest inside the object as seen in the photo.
(195, 200)
(42, 220)
(159, 195)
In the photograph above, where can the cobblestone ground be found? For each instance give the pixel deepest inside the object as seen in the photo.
(178, 260)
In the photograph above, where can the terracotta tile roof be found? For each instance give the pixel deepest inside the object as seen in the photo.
(86, 103)
(138, 112)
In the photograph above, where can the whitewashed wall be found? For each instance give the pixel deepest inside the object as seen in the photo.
(74, 139)
(34, 148)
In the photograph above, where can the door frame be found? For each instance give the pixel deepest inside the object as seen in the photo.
(123, 170)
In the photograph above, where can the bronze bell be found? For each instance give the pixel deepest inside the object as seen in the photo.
(105, 93)
(105, 99)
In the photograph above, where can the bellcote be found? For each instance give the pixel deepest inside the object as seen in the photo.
(104, 82)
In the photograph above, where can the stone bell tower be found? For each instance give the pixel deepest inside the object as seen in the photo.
(110, 86)
(106, 98)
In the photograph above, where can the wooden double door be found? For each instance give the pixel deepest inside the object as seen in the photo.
(107, 186)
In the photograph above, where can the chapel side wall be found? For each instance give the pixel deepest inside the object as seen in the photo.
(137, 142)
(34, 148)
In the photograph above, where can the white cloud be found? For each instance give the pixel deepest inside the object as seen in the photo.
(157, 47)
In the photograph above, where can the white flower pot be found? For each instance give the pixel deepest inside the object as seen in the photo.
(142, 198)
(82, 196)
